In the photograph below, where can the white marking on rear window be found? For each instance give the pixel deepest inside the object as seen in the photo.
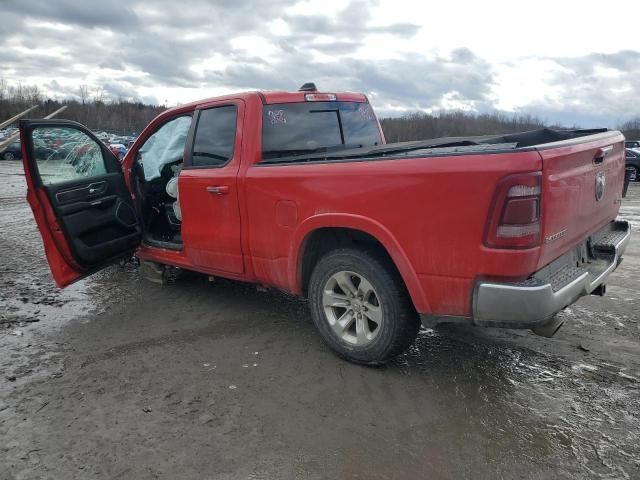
(277, 117)
(365, 112)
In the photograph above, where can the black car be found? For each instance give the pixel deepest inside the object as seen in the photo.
(632, 159)
(14, 152)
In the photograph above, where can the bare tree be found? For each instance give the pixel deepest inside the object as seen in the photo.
(98, 96)
(33, 94)
(3, 89)
(84, 93)
(631, 129)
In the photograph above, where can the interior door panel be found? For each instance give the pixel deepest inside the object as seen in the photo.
(96, 218)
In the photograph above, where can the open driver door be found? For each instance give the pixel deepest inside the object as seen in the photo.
(77, 192)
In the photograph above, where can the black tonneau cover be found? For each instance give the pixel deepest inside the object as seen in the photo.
(447, 145)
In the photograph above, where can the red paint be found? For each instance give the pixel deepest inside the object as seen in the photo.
(431, 215)
(63, 267)
(211, 228)
(568, 186)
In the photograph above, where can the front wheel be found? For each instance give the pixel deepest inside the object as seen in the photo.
(361, 307)
(9, 156)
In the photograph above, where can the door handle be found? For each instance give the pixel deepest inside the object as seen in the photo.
(218, 189)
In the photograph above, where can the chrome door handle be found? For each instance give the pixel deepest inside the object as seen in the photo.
(218, 189)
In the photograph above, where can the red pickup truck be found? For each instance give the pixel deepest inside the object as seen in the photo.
(299, 191)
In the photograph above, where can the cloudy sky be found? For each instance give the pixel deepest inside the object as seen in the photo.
(574, 62)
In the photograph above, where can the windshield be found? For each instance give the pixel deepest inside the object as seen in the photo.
(294, 129)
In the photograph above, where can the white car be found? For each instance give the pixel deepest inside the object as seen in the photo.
(632, 145)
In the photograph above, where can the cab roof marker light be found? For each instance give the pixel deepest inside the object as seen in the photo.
(320, 97)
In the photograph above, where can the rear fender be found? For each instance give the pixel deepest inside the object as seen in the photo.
(366, 225)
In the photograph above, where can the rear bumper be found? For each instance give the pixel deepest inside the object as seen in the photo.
(534, 302)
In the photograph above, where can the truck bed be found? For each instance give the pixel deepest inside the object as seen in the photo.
(449, 146)
(428, 203)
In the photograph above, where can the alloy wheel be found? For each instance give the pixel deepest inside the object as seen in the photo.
(352, 307)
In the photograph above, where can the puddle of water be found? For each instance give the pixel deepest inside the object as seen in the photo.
(585, 416)
(28, 293)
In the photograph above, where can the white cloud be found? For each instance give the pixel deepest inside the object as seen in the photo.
(569, 61)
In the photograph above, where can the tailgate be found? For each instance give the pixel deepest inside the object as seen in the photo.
(582, 189)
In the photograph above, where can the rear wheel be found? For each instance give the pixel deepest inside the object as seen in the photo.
(360, 306)
(9, 156)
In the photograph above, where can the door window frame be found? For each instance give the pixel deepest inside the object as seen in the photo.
(237, 136)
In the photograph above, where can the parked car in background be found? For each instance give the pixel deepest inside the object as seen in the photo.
(118, 149)
(632, 160)
(632, 144)
(7, 132)
(12, 152)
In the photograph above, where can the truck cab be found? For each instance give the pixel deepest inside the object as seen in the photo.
(176, 197)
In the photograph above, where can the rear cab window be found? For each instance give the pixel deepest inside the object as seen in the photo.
(290, 130)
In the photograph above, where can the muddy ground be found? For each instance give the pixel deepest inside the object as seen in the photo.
(119, 378)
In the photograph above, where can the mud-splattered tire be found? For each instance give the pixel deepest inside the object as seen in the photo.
(360, 306)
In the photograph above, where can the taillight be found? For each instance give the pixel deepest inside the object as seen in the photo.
(514, 219)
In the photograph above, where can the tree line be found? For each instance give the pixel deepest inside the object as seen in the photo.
(92, 108)
(631, 129)
(417, 126)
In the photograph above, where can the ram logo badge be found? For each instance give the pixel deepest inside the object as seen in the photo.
(600, 184)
